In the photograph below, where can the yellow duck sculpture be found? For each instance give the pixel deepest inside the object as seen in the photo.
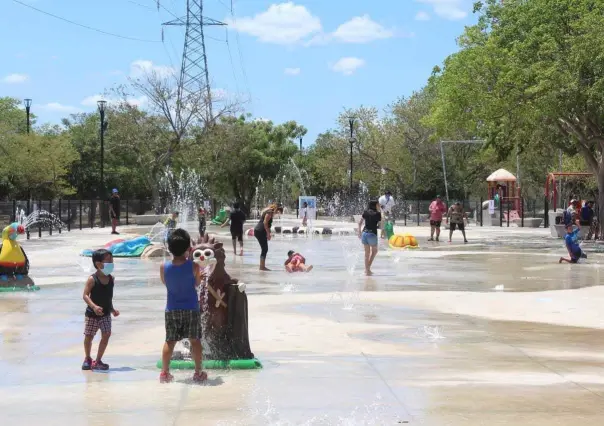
(13, 261)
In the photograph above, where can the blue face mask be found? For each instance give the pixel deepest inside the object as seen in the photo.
(107, 269)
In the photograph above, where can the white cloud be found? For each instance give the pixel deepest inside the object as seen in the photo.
(141, 67)
(57, 107)
(15, 78)
(452, 10)
(284, 23)
(361, 29)
(422, 16)
(347, 65)
(292, 71)
(92, 100)
(218, 94)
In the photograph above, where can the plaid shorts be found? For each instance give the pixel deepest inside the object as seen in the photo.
(93, 324)
(183, 325)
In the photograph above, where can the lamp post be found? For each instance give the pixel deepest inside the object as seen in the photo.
(27, 109)
(102, 105)
(300, 143)
(351, 123)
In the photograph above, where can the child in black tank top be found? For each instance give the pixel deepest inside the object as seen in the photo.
(98, 295)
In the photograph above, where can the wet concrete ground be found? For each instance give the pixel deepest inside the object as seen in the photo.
(431, 339)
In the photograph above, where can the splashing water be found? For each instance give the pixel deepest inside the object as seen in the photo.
(430, 332)
(42, 219)
(183, 192)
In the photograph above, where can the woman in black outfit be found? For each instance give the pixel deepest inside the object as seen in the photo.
(262, 232)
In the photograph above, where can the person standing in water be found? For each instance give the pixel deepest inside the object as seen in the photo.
(437, 210)
(457, 216)
(262, 232)
(304, 213)
(368, 234)
(237, 219)
(114, 210)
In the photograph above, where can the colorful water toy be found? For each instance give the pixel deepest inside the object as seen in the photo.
(220, 217)
(14, 264)
(403, 241)
(124, 248)
(225, 319)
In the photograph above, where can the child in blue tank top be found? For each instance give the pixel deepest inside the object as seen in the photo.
(183, 317)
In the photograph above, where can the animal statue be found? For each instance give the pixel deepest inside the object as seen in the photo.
(13, 261)
(224, 305)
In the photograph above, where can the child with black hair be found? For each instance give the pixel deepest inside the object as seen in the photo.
(98, 295)
(237, 219)
(183, 317)
(295, 262)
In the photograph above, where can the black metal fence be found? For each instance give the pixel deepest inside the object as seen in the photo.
(65, 215)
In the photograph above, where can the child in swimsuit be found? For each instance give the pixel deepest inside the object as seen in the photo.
(296, 263)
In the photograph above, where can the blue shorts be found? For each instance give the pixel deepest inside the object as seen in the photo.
(369, 239)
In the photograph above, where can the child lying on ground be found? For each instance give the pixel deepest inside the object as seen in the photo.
(295, 262)
(572, 244)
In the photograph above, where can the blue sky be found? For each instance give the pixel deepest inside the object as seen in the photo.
(302, 60)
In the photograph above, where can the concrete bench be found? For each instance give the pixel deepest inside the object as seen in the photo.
(529, 222)
(148, 219)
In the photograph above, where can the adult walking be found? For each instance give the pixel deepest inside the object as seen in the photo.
(457, 216)
(386, 202)
(437, 210)
(237, 219)
(262, 232)
(368, 234)
(114, 210)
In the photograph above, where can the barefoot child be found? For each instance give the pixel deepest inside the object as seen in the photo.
(201, 217)
(295, 262)
(571, 240)
(183, 317)
(98, 295)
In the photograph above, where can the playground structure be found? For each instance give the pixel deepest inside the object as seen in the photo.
(553, 188)
(503, 190)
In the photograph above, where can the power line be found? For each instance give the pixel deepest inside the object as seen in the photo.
(85, 26)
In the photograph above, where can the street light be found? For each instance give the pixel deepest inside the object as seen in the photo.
(27, 109)
(102, 105)
(300, 143)
(351, 122)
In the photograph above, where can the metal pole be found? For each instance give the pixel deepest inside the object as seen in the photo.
(300, 143)
(480, 207)
(442, 154)
(522, 210)
(14, 215)
(351, 123)
(417, 212)
(68, 215)
(50, 213)
(28, 212)
(60, 215)
(27, 111)
(501, 212)
(545, 214)
(39, 222)
(80, 215)
(127, 211)
(508, 213)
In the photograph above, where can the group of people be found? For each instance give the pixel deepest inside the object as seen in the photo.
(182, 317)
(456, 218)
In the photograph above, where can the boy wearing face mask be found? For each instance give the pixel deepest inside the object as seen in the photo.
(98, 295)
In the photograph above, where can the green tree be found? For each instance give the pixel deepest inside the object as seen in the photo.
(529, 73)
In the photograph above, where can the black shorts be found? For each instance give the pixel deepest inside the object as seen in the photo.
(460, 226)
(585, 222)
(183, 325)
(115, 216)
(237, 234)
(576, 256)
(435, 223)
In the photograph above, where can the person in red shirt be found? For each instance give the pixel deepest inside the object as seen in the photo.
(437, 210)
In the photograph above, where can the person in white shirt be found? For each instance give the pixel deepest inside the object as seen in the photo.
(386, 202)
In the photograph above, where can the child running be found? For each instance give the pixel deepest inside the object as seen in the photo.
(98, 295)
(237, 219)
(571, 239)
(183, 317)
(295, 262)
